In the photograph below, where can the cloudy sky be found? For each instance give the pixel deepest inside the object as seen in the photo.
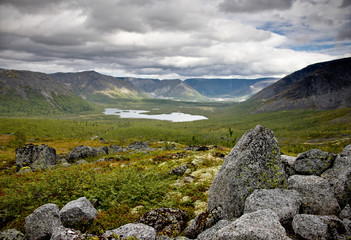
(173, 38)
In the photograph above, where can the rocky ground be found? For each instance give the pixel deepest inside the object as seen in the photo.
(258, 193)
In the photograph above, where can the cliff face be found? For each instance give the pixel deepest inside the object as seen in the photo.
(324, 85)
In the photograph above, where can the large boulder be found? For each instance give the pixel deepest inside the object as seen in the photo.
(259, 225)
(12, 234)
(313, 162)
(41, 223)
(166, 221)
(317, 195)
(137, 230)
(36, 157)
(285, 203)
(77, 212)
(62, 233)
(253, 163)
(82, 152)
(202, 222)
(339, 177)
(313, 227)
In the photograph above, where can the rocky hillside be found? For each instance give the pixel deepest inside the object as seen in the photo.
(325, 85)
(33, 92)
(92, 85)
(257, 193)
(168, 89)
(229, 88)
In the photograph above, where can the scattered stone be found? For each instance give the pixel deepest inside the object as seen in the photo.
(166, 221)
(285, 203)
(201, 222)
(196, 148)
(81, 152)
(208, 234)
(313, 227)
(41, 223)
(12, 234)
(114, 149)
(103, 150)
(102, 140)
(253, 163)
(339, 177)
(346, 212)
(262, 224)
(179, 171)
(137, 230)
(288, 163)
(138, 146)
(317, 195)
(25, 170)
(36, 157)
(80, 162)
(62, 233)
(313, 162)
(77, 212)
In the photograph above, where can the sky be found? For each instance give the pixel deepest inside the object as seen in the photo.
(170, 39)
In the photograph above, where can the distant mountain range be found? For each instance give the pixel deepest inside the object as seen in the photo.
(325, 85)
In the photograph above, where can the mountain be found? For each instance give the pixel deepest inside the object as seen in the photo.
(325, 85)
(33, 92)
(94, 86)
(229, 88)
(168, 89)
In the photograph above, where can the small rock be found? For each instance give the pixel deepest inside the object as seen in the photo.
(208, 234)
(138, 146)
(317, 195)
(346, 212)
(288, 163)
(62, 233)
(80, 162)
(36, 157)
(25, 170)
(313, 227)
(179, 171)
(166, 221)
(137, 230)
(77, 212)
(260, 225)
(313, 162)
(103, 150)
(41, 223)
(285, 203)
(12, 234)
(114, 149)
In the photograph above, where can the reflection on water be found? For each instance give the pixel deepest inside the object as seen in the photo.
(173, 117)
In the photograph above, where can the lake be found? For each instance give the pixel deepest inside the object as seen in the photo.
(173, 117)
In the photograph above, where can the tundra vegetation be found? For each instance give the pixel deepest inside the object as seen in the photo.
(133, 182)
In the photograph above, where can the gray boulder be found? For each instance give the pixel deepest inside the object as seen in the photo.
(82, 152)
(138, 146)
(262, 224)
(41, 223)
(62, 233)
(317, 195)
(179, 171)
(202, 222)
(313, 227)
(114, 149)
(137, 230)
(339, 177)
(166, 221)
(36, 157)
(103, 150)
(288, 163)
(253, 163)
(208, 234)
(12, 234)
(313, 162)
(77, 212)
(285, 203)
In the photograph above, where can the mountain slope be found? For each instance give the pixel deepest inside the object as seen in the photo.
(170, 89)
(229, 88)
(325, 85)
(36, 93)
(91, 85)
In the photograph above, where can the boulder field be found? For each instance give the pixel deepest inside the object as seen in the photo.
(258, 193)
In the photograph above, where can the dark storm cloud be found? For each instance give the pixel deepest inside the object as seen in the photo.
(254, 5)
